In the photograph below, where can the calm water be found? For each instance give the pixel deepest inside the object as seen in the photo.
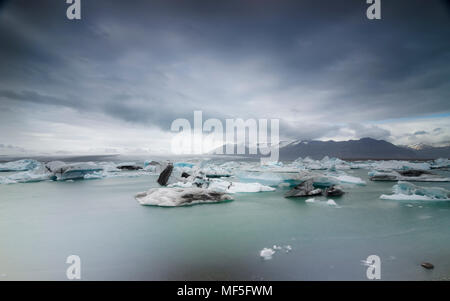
(118, 239)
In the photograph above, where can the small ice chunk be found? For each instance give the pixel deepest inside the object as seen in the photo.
(266, 253)
(330, 202)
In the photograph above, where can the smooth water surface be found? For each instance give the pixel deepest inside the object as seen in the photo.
(118, 239)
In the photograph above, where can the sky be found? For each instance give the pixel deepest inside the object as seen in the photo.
(114, 81)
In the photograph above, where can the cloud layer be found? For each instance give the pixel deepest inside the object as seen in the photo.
(132, 68)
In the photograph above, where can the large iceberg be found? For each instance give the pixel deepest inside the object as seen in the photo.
(404, 191)
(20, 165)
(175, 197)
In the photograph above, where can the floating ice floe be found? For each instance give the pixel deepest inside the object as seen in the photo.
(441, 163)
(329, 202)
(407, 175)
(325, 163)
(152, 166)
(175, 197)
(304, 189)
(404, 191)
(20, 165)
(329, 179)
(343, 178)
(66, 171)
(225, 186)
(183, 164)
(267, 253)
(400, 165)
(236, 187)
(214, 171)
(128, 166)
(268, 178)
(35, 175)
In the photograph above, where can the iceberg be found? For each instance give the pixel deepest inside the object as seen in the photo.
(183, 164)
(128, 166)
(441, 163)
(304, 189)
(64, 171)
(213, 171)
(236, 187)
(324, 164)
(407, 175)
(224, 186)
(400, 165)
(36, 175)
(175, 197)
(20, 165)
(404, 191)
(267, 178)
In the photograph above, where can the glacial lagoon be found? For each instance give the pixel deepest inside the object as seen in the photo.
(98, 219)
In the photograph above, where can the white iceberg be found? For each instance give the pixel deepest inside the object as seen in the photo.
(175, 197)
(404, 191)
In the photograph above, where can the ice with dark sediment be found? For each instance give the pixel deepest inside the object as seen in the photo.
(304, 189)
(404, 191)
(175, 196)
(407, 175)
(128, 166)
(226, 186)
(68, 171)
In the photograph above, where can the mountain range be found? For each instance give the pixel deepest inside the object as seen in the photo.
(365, 148)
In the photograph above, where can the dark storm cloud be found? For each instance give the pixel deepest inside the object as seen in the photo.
(151, 62)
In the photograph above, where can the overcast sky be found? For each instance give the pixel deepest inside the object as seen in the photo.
(116, 79)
